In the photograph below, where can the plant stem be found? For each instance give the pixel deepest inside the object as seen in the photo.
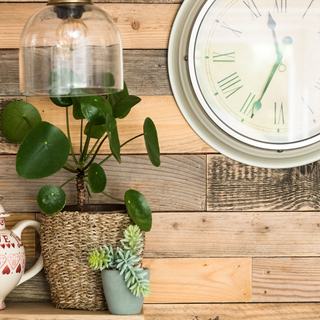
(91, 151)
(104, 160)
(68, 181)
(108, 195)
(85, 149)
(68, 130)
(70, 170)
(81, 136)
(95, 154)
(81, 192)
(70, 166)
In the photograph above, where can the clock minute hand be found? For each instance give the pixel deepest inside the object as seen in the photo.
(272, 25)
(257, 105)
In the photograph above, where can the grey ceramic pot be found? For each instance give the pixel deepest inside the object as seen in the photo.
(119, 298)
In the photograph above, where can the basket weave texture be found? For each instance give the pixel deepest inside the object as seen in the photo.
(66, 239)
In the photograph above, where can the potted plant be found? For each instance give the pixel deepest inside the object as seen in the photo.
(125, 282)
(66, 236)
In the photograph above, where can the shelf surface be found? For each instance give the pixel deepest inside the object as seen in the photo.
(47, 311)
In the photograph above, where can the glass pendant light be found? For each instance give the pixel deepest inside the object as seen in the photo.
(70, 48)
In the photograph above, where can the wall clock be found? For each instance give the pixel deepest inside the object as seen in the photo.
(246, 76)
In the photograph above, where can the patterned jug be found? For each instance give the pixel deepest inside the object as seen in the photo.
(13, 257)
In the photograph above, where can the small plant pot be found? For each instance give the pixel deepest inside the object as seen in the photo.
(120, 299)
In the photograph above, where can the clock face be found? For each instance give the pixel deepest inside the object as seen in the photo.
(255, 68)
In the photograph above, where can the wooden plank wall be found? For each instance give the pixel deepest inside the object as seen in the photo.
(229, 241)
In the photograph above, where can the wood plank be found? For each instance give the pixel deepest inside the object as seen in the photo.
(199, 280)
(47, 311)
(247, 311)
(173, 281)
(231, 234)
(142, 26)
(145, 72)
(28, 235)
(161, 186)
(286, 279)
(233, 186)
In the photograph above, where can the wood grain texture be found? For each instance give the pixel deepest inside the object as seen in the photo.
(175, 135)
(28, 235)
(110, 1)
(286, 279)
(226, 234)
(199, 280)
(145, 72)
(47, 311)
(142, 26)
(161, 186)
(233, 186)
(259, 311)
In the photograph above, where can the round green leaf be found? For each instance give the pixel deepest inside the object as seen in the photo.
(115, 97)
(43, 152)
(95, 109)
(51, 199)
(17, 119)
(62, 102)
(151, 141)
(122, 108)
(138, 209)
(77, 113)
(97, 178)
(111, 126)
(94, 131)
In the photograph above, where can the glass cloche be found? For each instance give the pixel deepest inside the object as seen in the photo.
(70, 49)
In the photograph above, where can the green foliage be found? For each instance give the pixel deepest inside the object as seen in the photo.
(45, 149)
(125, 260)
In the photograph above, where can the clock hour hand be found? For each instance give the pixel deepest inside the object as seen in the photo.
(257, 105)
(272, 25)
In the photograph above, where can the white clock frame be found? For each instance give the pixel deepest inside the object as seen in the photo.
(198, 119)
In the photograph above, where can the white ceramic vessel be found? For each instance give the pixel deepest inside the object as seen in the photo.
(13, 258)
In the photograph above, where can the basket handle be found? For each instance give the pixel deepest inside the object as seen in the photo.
(17, 229)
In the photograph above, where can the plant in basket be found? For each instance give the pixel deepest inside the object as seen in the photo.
(67, 236)
(125, 282)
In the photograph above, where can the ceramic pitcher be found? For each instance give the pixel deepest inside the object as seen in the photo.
(13, 257)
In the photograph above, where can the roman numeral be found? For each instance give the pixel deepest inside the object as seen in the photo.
(278, 114)
(224, 57)
(247, 107)
(308, 8)
(282, 7)
(236, 32)
(253, 9)
(229, 86)
(318, 84)
(309, 110)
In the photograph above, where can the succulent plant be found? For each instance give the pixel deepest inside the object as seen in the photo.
(125, 260)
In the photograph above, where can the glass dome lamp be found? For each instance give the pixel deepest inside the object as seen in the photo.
(70, 48)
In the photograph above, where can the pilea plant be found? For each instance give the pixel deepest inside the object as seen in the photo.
(125, 260)
(45, 149)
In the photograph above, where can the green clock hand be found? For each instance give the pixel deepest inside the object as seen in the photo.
(257, 105)
(272, 25)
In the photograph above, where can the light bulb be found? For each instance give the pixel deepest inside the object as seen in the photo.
(72, 33)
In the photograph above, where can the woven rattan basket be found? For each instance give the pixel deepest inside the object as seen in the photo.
(66, 238)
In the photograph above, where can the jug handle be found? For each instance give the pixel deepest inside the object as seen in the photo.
(17, 229)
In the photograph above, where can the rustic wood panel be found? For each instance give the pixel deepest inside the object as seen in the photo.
(199, 280)
(233, 186)
(260, 311)
(28, 235)
(47, 311)
(161, 186)
(145, 72)
(172, 280)
(250, 234)
(286, 279)
(142, 26)
(109, 1)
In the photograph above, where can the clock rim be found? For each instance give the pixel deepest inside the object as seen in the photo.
(197, 118)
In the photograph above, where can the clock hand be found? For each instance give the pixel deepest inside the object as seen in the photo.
(257, 105)
(272, 25)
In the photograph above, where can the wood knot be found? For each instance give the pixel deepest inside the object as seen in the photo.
(175, 225)
(115, 20)
(135, 25)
